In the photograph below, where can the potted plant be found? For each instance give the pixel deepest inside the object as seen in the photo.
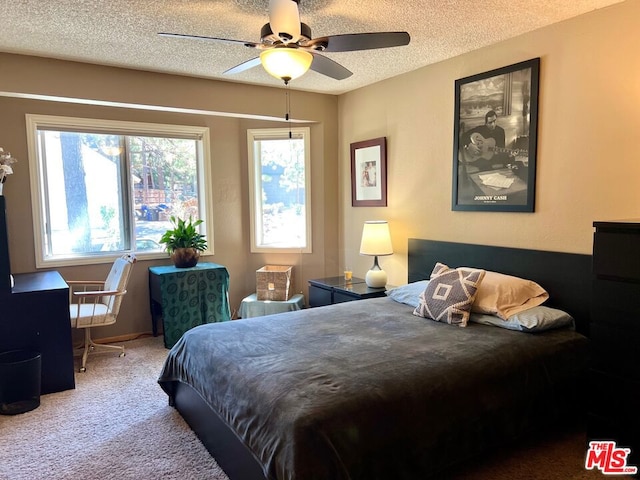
(184, 242)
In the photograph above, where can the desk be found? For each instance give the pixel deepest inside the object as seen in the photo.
(188, 297)
(35, 316)
(252, 307)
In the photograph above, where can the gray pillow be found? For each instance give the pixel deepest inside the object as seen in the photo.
(449, 295)
(536, 319)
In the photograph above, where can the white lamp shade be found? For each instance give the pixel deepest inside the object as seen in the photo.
(376, 239)
(286, 63)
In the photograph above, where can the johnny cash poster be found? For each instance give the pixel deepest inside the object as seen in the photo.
(495, 132)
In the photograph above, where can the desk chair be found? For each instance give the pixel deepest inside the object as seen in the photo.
(97, 303)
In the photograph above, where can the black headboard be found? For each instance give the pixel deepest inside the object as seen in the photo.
(566, 276)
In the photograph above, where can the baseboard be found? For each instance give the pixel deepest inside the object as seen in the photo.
(123, 338)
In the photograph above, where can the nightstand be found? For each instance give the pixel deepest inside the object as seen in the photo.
(327, 291)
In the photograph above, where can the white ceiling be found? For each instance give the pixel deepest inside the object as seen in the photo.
(124, 32)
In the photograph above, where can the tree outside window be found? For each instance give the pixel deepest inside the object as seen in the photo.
(279, 177)
(105, 193)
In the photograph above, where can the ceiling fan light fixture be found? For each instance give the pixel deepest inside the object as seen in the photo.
(289, 50)
(286, 63)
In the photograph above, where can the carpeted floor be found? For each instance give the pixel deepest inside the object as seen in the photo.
(117, 424)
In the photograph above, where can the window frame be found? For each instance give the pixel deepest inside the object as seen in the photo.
(116, 127)
(255, 196)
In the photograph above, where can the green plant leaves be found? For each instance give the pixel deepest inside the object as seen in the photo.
(184, 235)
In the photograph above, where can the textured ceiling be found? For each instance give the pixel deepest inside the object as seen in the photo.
(124, 32)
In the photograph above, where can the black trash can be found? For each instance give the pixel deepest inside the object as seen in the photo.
(19, 381)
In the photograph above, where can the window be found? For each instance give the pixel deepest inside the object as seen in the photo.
(279, 189)
(101, 188)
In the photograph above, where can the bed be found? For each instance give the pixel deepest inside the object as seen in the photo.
(368, 390)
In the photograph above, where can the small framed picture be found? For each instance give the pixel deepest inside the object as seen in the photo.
(495, 137)
(369, 173)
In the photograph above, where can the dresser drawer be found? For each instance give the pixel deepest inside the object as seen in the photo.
(623, 295)
(616, 303)
(615, 350)
(617, 255)
(341, 297)
(319, 297)
(615, 397)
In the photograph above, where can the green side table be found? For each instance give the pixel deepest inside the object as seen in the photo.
(188, 297)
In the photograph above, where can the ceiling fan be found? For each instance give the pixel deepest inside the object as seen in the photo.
(288, 50)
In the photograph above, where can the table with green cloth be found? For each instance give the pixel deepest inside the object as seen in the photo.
(188, 297)
(252, 307)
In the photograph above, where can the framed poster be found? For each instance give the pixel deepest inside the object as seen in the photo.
(369, 173)
(495, 138)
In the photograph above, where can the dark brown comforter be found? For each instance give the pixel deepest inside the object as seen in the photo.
(366, 390)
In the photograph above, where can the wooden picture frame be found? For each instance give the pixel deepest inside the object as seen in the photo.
(369, 173)
(495, 138)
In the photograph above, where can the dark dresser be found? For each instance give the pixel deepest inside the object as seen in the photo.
(614, 403)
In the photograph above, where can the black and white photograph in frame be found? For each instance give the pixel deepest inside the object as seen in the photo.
(495, 138)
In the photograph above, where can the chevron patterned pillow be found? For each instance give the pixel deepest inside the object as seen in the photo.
(449, 294)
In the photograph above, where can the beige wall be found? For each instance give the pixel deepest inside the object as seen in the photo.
(588, 152)
(588, 166)
(27, 76)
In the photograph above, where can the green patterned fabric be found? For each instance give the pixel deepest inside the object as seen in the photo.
(191, 297)
(252, 307)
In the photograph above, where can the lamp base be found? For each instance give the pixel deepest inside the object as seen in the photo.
(376, 278)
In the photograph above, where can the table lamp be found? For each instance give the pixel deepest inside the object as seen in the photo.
(376, 241)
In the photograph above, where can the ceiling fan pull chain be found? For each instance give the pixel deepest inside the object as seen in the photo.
(287, 116)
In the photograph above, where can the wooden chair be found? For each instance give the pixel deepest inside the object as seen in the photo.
(97, 303)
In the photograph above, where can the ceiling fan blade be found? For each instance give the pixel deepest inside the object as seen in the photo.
(254, 62)
(284, 19)
(210, 39)
(359, 41)
(328, 67)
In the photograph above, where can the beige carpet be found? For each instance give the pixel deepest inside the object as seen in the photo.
(117, 424)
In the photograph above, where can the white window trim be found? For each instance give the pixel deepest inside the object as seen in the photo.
(33, 122)
(254, 174)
